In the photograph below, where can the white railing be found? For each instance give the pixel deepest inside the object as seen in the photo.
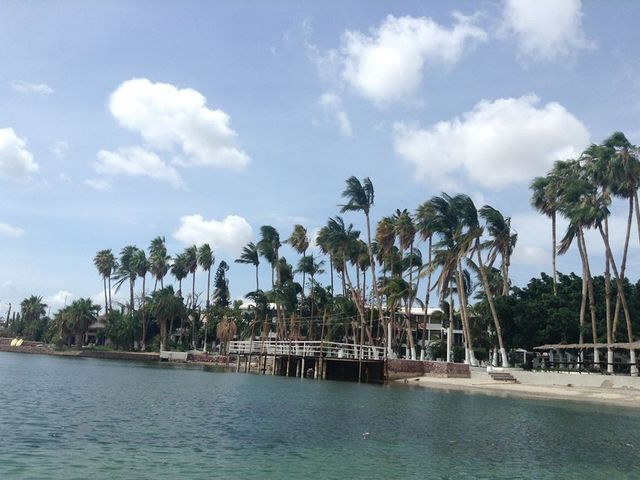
(307, 349)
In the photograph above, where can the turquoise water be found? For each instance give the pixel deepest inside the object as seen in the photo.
(69, 418)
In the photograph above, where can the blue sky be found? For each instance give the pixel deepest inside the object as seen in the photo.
(202, 121)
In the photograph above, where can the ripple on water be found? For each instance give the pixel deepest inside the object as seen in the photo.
(80, 418)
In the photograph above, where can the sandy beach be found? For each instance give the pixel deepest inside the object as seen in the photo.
(624, 397)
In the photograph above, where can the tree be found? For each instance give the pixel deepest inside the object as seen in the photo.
(300, 242)
(105, 263)
(179, 271)
(127, 271)
(191, 265)
(78, 316)
(159, 260)
(269, 247)
(221, 296)
(502, 241)
(32, 317)
(250, 256)
(360, 198)
(544, 199)
(166, 306)
(206, 259)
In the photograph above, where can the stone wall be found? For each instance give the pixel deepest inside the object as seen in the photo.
(398, 368)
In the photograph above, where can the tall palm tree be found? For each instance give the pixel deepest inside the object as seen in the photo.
(544, 199)
(127, 272)
(191, 264)
(141, 265)
(581, 205)
(250, 256)
(206, 259)
(322, 241)
(424, 218)
(179, 271)
(502, 241)
(160, 261)
(300, 243)
(269, 247)
(360, 197)
(453, 221)
(105, 263)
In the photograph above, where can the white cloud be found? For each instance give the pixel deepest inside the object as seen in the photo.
(98, 184)
(25, 87)
(7, 230)
(545, 29)
(135, 161)
(16, 162)
(59, 299)
(331, 104)
(388, 64)
(230, 234)
(497, 143)
(173, 119)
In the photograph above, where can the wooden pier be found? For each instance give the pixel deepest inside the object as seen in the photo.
(310, 359)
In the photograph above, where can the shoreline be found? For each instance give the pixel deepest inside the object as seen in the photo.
(620, 397)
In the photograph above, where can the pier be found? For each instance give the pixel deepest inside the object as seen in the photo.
(310, 359)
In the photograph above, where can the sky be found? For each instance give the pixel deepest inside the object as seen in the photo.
(202, 121)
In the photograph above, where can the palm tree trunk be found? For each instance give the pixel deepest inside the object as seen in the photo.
(623, 265)
(374, 278)
(193, 290)
(109, 283)
(426, 300)
(607, 300)
(257, 280)
(208, 286)
(554, 254)
(492, 307)
(470, 356)
(592, 300)
(331, 269)
(623, 299)
(583, 298)
(131, 297)
(106, 302)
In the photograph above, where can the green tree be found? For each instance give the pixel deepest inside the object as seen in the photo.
(250, 256)
(206, 259)
(105, 263)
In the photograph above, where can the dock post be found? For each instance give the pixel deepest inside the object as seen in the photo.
(302, 368)
(315, 369)
(273, 370)
(237, 363)
(286, 372)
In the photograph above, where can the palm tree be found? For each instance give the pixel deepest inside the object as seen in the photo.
(360, 198)
(405, 232)
(424, 219)
(160, 261)
(250, 256)
(206, 259)
(166, 306)
(451, 216)
(544, 199)
(269, 247)
(79, 315)
(141, 266)
(580, 204)
(179, 271)
(127, 271)
(502, 242)
(32, 309)
(191, 264)
(105, 263)
(300, 243)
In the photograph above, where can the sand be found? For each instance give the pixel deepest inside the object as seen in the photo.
(625, 397)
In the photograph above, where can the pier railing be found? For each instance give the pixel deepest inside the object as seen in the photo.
(307, 349)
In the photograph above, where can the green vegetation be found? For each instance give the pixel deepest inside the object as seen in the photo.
(461, 252)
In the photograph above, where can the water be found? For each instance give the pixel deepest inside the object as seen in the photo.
(69, 418)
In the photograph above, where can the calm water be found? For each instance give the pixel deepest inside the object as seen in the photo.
(86, 418)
